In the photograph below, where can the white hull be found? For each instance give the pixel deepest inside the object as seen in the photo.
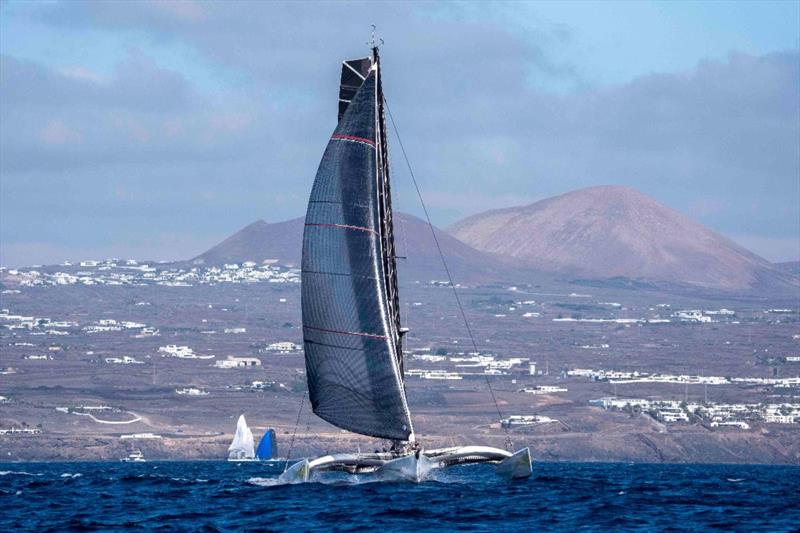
(415, 466)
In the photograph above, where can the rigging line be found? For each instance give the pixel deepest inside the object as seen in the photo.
(294, 433)
(444, 262)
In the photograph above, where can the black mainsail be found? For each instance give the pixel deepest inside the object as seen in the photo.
(351, 320)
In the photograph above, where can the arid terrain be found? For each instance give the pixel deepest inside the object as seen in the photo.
(670, 344)
(66, 384)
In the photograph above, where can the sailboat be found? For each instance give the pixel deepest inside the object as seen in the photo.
(352, 334)
(267, 447)
(242, 447)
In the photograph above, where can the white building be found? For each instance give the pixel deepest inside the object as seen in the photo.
(525, 420)
(140, 436)
(543, 389)
(191, 391)
(284, 347)
(124, 360)
(238, 362)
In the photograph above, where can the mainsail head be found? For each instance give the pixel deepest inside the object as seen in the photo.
(351, 327)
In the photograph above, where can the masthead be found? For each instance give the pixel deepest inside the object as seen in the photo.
(374, 41)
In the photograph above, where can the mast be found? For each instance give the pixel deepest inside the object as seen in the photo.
(387, 221)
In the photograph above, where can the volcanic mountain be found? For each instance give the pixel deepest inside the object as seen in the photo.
(420, 258)
(618, 232)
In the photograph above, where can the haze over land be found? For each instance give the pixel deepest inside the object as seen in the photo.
(599, 233)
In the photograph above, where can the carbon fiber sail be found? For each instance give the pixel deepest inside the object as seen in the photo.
(351, 327)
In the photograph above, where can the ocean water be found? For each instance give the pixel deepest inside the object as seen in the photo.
(221, 496)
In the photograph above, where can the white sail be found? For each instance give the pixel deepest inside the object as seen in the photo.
(243, 445)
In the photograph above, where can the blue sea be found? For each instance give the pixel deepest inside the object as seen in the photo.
(221, 496)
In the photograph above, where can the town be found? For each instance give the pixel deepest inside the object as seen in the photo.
(178, 350)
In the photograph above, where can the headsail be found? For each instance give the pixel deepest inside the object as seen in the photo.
(243, 444)
(351, 327)
(267, 446)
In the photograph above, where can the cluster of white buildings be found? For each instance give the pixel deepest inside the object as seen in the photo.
(116, 272)
(543, 389)
(487, 363)
(181, 352)
(38, 357)
(46, 326)
(259, 385)
(464, 364)
(699, 316)
(20, 431)
(283, 347)
(124, 360)
(109, 324)
(703, 316)
(433, 374)
(620, 377)
(717, 414)
(34, 325)
(628, 321)
(429, 358)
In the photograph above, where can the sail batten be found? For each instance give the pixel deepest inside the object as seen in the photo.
(350, 326)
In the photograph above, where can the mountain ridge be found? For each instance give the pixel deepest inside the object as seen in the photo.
(617, 232)
(418, 252)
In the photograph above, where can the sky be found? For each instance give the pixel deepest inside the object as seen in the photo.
(153, 130)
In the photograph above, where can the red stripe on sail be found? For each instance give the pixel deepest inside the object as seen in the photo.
(355, 333)
(353, 138)
(345, 226)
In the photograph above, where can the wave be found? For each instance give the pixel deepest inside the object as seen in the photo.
(16, 473)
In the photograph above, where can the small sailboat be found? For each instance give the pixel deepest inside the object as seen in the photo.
(267, 447)
(353, 337)
(242, 447)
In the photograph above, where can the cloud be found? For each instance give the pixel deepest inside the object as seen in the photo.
(718, 141)
(143, 114)
(56, 132)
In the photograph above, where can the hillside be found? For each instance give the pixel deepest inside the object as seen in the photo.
(618, 232)
(283, 241)
(257, 242)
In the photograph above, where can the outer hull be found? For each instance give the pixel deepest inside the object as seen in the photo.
(413, 466)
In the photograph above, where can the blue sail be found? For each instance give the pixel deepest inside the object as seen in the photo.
(268, 447)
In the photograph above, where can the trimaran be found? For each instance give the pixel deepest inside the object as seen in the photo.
(352, 335)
